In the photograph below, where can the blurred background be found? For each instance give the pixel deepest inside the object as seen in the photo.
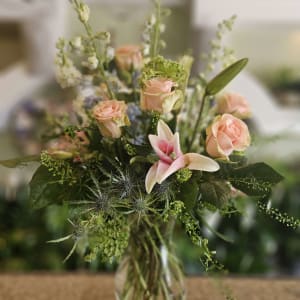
(267, 32)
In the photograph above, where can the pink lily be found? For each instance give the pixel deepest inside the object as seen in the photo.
(171, 159)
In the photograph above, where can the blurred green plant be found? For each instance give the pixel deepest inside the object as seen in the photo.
(23, 236)
(260, 244)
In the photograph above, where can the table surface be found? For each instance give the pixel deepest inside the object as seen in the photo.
(101, 287)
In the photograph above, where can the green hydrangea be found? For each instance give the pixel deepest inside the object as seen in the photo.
(161, 67)
(107, 237)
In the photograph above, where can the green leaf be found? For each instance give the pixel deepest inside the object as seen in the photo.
(189, 192)
(223, 78)
(215, 192)
(254, 180)
(12, 163)
(45, 189)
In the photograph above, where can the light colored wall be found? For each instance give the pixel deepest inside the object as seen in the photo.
(268, 47)
(126, 23)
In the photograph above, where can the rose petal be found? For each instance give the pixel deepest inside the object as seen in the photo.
(212, 147)
(110, 129)
(224, 143)
(169, 101)
(195, 161)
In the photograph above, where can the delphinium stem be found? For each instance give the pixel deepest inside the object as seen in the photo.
(156, 34)
(100, 65)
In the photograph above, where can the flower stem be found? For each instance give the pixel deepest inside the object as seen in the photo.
(197, 123)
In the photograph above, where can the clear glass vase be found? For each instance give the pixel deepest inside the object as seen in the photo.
(150, 270)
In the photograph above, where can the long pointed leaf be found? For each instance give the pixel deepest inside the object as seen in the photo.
(60, 239)
(223, 78)
(12, 163)
(71, 252)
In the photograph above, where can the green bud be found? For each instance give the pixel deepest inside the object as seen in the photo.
(183, 175)
(60, 154)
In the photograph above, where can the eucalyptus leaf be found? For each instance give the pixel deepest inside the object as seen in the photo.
(12, 163)
(189, 193)
(223, 78)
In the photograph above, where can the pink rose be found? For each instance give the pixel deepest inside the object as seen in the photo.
(128, 57)
(226, 134)
(157, 95)
(61, 148)
(234, 104)
(111, 115)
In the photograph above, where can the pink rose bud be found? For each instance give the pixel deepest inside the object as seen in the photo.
(157, 95)
(226, 134)
(235, 104)
(111, 116)
(129, 57)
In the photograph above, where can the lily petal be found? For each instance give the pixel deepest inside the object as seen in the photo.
(195, 161)
(177, 164)
(162, 169)
(154, 141)
(163, 131)
(151, 178)
(176, 144)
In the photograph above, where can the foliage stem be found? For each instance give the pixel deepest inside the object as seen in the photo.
(197, 123)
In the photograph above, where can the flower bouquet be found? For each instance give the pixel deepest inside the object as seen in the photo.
(146, 147)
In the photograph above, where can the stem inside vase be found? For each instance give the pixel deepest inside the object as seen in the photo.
(150, 269)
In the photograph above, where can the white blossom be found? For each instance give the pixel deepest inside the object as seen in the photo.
(162, 28)
(110, 53)
(146, 50)
(92, 62)
(77, 43)
(84, 13)
(152, 20)
(68, 75)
